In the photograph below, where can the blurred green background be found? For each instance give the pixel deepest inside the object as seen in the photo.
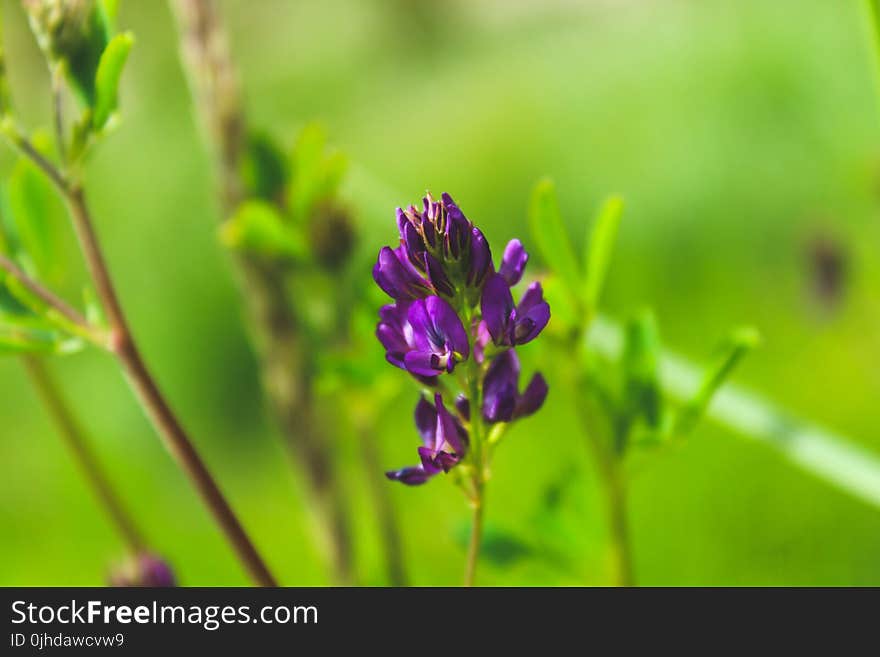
(742, 134)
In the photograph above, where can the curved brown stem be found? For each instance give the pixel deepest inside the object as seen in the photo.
(152, 400)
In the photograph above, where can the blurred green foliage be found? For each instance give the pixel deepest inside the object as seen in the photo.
(735, 133)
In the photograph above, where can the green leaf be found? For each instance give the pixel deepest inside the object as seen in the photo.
(565, 316)
(641, 356)
(316, 172)
(264, 169)
(111, 11)
(107, 78)
(258, 228)
(16, 339)
(599, 248)
(37, 216)
(551, 236)
(499, 546)
(738, 344)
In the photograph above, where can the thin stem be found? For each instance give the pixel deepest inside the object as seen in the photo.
(286, 359)
(617, 514)
(123, 346)
(479, 455)
(58, 101)
(76, 441)
(611, 477)
(152, 400)
(45, 295)
(381, 496)
(16, 137)
(476, 538)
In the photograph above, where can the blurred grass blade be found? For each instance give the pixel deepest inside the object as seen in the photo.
(736, 346)
(835, 459)
(107, 78)
(872, 14)
(599, 248)
(641, 355)
(549, 233)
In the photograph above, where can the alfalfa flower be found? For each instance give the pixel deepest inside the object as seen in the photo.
(449, 305)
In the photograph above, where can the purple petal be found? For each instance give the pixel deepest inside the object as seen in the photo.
(496, 307)
(426, 420)
(463, 406)
(480, 341)
(411, 476)
(500, 387)
(533, 296)
(437, 276)
(481, 259)
(396, 278)
(429, 463)
(413, 244)
(532, 315)
(513, 262)
(446, 461)
(447, 428)
(533, 397)
(449, 323)
(421, 363)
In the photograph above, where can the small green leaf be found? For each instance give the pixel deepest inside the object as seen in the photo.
(551, 236)
(107, 78)
(258, 228)
(264, 169)
(21, 339)
(641, 357)
(316, 172)
(600, 246)
(499, 546)
(37, 215)
(738, 344)
(111, 10)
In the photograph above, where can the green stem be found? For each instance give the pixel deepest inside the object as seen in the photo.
(122, 344)
(386, 518)
(478, 456)
(476, 537)
(73, 435)
(617, 513)
(614, 490)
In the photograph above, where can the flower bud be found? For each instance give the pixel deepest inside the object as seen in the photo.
(331, 235)
(144, 570)
(73, 33)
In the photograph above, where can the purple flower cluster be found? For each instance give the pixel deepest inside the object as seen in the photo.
(451, 305)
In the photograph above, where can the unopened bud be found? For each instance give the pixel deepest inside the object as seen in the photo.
(331, 234)
(145, 570)
(73, 33)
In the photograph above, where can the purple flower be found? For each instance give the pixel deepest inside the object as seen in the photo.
(441, 275)
(511, 325)
(444, 442)
(513, 262)
(502, 401)
(438, 339)
(440, 253)
(395, 274)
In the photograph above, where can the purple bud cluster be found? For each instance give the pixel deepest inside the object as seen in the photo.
(452, 305)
